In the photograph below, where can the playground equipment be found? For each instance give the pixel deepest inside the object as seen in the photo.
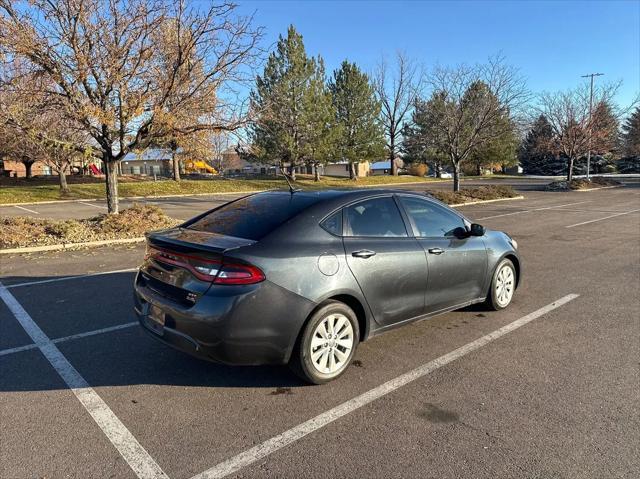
(94, 169)
(199, 166)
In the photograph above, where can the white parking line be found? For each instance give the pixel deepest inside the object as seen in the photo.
(529, 211)
(5, 352)
(272, 445)
(127, 445)
(67, 278)
(26, 209)
(95, 206)
(601, 219)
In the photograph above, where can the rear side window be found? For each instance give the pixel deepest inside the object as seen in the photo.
(333, 224)
(377, 217)
(255, 216)
(431, 220)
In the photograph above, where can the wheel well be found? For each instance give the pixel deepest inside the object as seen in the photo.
(516, 265)
(357, 308)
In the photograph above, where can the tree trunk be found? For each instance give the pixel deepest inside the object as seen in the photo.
(353, 174)
(478, 169)
(28, 165)
(394, 167)
(456, 176)
(111, 176)
(570, 169)
(176, 166)
(316, 172)
(292, 172)
(63, 180)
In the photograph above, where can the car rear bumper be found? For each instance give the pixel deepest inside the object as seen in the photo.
(236, 325)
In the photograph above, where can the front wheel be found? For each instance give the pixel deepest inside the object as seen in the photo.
(503, 285)
(327, 344)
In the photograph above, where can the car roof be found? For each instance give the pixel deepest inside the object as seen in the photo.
(354, 193)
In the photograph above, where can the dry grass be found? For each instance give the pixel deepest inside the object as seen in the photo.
(481, 193)
(24, 231)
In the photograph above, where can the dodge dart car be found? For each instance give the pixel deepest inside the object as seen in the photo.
(301, 278)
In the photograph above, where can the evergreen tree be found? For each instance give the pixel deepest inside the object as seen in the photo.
(360, 134)
(292, 107)
(419, 144)
(536, 154)
(630, 163)
(500, 152)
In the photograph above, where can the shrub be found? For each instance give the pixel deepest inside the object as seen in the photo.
(418, 169)
(131, 222)
(481, 193)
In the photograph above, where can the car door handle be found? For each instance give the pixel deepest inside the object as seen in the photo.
(363, 253)
(436, 250)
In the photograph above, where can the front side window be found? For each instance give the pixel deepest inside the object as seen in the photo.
(430, 219)
(377, 217)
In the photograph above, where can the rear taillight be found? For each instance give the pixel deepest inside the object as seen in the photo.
(239, 274)
(213, 271)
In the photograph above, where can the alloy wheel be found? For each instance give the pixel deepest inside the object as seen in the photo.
(331, 345)
(505, 283)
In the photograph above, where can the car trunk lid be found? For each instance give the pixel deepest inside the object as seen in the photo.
(181, 264)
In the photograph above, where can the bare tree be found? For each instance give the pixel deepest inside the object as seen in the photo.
(574, 130)
(32, 128)
(472, 106)
(125, 69)
(396, 89)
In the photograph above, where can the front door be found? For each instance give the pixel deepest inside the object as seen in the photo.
(389, 265)
(457, 262)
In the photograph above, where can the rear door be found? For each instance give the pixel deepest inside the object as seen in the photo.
(457, 262)
(389, 265)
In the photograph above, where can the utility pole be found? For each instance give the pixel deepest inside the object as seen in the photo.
(590, 75)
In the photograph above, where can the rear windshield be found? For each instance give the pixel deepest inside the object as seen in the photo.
(255, 216)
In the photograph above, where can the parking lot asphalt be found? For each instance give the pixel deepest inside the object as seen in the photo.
(551, 394)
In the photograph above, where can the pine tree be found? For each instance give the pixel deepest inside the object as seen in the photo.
(630, 163)
(535, 155)
(360, 134)
(500, 152)
(292, 107)
(419, 144)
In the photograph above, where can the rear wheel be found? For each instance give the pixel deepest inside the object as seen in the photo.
(503, 285)
(327, 344)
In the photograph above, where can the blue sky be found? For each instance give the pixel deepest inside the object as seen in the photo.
(552, 42)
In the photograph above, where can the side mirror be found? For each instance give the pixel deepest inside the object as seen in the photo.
(476, 230)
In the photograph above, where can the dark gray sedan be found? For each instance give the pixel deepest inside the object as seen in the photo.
(301, 278)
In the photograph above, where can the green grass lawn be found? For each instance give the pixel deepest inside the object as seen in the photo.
(51, 192)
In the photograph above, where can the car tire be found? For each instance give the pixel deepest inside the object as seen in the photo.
(326, 344)
(503, 285)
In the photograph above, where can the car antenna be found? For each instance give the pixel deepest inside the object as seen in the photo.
(292, 190)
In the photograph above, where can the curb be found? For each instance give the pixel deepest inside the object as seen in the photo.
(486, 201)
(63, 246)
(599, 188)
(139, 239)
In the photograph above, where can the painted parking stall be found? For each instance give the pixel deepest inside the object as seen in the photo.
(164, 414)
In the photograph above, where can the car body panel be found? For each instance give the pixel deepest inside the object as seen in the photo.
(394, 280)
(458, 274)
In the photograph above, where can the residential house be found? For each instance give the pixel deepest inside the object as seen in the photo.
(341, 168)
(153, 161)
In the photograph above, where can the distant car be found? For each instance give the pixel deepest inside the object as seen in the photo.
(301, 278)
(444, 175)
